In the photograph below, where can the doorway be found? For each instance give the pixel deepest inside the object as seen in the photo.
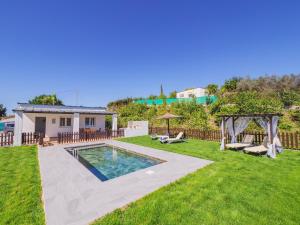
(40, 125)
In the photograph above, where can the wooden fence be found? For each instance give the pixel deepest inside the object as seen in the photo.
(32, 138)
(70, 137)
(290, 140)
(6, 139)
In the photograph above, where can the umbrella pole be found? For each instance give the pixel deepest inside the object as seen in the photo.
(168, 127)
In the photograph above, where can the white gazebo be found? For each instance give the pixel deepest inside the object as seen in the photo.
(237, 123)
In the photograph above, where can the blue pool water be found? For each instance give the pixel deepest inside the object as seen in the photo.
(107, 162)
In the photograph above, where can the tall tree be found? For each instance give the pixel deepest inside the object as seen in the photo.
(46, 100)
(162, 95)
(2, 111)
(152, 97)
(161, 90)
(212, 89)
(231, 84)
(173, 94)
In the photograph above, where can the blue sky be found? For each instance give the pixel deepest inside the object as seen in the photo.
(106, 50)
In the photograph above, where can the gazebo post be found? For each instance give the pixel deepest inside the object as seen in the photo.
(168, 121)
(233, 128)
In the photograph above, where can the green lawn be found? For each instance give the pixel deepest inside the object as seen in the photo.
(20, 187)
(236, 189)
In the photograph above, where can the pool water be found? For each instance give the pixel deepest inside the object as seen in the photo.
(108, 162)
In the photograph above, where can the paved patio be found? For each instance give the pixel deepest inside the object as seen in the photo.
(73, 195)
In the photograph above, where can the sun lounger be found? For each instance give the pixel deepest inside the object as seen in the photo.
(246, 142)
(263, 148)
(155, 136)
(178, 139)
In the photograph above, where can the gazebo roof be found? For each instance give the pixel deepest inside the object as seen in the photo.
(251, 115)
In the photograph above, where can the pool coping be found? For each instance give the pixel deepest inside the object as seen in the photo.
(73, 195)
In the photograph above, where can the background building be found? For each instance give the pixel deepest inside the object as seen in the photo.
(191, 93)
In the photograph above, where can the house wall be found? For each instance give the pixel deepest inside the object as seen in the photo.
(53, 128)
(197, 92)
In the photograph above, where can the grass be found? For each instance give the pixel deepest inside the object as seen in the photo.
(20, 186)
(236, 189)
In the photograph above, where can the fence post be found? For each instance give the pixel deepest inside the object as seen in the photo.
(41, 139)
(296, 140)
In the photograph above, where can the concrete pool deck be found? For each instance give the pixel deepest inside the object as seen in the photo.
(73, 195)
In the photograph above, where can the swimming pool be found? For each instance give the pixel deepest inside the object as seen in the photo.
(108, 162)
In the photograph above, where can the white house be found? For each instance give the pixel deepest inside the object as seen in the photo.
(196, 92)
(51, 119)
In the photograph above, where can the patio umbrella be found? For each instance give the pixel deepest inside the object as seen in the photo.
(167, 117)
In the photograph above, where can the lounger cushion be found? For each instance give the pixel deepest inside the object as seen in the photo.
(175, 141)
(256, 149)
(162, 136)
(163, 141)
(248, 139)
(237, 145)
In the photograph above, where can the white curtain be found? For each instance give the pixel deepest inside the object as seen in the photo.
(240, 125)
(266, 124)
(276, 142)
(223, 135)
(229, 125)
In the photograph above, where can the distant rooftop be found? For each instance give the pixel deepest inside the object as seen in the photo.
(190, 89)
(8, 119)
(31, 108)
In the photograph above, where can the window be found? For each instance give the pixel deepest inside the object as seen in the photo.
(62, 122)
(181, 95)
(53, 121)
(89, 122)
(69, 122)
(65, 122)
(93, 122)
(10, 125)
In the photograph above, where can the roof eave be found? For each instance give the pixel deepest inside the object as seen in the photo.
(250, 115)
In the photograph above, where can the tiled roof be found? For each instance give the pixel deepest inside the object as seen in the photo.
(26, 107)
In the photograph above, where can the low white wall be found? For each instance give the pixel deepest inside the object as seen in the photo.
(136, 128)
(134, 132)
